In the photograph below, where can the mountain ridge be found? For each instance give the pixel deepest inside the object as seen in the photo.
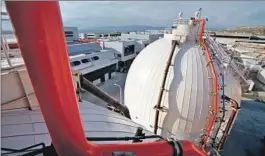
(254, 30)
(122, 28)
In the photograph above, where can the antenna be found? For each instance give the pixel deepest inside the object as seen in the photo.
(197, 13)
(200, 13)
(180, 15)
(102, 44)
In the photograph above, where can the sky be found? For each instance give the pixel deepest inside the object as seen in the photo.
(223, 14)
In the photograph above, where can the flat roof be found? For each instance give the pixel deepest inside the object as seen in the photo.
(76, 49)
(23, 128)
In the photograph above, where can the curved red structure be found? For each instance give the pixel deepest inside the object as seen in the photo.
(214, 81)
(39, 30)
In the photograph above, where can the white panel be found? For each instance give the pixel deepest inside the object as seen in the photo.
(11, 87)
(16, 129)
(138, 81)
(97, 122)
(106, 58)
(18, 142)
(15, 119)
(113, 74)
(261, 76)
(185, 94)
(42, 138)
(106, 76)
(97, 82)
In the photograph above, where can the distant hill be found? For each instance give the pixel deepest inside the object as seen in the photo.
(254, 30)
(121, 28)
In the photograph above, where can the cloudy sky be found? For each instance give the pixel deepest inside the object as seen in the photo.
(225, 14)
(157, 13)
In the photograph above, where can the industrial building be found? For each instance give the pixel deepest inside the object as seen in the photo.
(140, 45)
(125, 50)
(142, 36)
(71, 34)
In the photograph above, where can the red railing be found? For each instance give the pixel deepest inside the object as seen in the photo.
(89, 40)
(214, 79)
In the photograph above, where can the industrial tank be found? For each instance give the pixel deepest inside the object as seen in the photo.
(178, 91)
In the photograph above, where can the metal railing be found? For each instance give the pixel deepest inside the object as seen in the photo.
(227, 60)
(213, 80)
(6, 52)
(217, 54)
(168, 31)
(175, 23)
(181, 21)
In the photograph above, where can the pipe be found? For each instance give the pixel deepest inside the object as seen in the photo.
(5, 50)
(235, 109)
(215, 87)
(120, 90)
(90, 87)
(223, 109)
(158, 105)
(39, 29)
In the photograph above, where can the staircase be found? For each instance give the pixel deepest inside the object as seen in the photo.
(230, 63)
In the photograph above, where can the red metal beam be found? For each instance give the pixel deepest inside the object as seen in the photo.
(210, 123)
(215, 83)
(39, 30)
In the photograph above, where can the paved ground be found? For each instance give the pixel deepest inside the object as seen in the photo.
(110, 88)
(249, 129)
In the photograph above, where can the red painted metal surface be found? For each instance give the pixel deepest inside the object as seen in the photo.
(191, 150)
(215, 85)
(210, 124)
(89, 40)
(13, 45)
(39, 30)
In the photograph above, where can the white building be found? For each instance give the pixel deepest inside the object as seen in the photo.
(82, 36)
(91, 36)
(125, 50)
(142, 36)
(96, 66)
(71, 34)
(140, 45)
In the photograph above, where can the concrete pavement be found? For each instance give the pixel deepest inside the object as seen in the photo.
(109, 88)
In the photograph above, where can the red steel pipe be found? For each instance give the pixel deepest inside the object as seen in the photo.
(39, 29)
(235, 108)
(215, 85)
(215, 81)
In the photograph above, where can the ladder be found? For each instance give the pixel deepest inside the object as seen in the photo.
(6, 52)
(230, 63)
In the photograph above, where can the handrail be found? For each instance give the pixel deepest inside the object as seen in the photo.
(181, 21)
(235, 109)
(158, 104)
(214, 78)
(228, 60)
(93, 89)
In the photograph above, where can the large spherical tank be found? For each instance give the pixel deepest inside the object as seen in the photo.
(186, 94)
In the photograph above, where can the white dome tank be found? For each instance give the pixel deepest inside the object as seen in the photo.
(187, 94)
